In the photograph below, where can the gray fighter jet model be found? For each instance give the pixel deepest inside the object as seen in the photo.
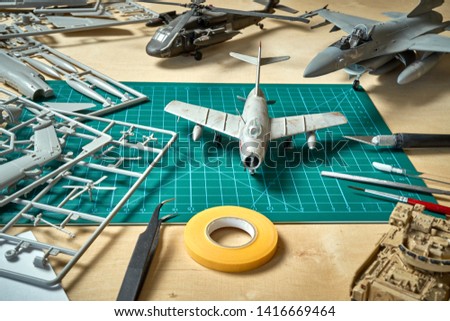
(203, 26)
(254, 128)
(379, 47)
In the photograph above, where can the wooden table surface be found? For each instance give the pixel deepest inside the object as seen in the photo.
(313, 261)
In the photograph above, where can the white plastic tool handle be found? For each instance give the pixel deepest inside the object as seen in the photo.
(388, 168)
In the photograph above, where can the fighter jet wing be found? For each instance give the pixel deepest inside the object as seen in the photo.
(290, 126)
(344, 21)
(431, 42)
(224, 123)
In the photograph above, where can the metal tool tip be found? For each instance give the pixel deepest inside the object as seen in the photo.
(357, 188)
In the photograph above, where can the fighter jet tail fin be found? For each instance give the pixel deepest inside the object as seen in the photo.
(425, 6)
(258, 62)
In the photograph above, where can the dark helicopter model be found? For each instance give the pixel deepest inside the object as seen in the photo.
(205, 25)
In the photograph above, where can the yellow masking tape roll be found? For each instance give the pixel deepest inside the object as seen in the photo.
(203, 249)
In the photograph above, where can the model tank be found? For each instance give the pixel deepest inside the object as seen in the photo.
(410, 262)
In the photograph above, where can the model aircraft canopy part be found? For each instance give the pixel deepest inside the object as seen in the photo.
(205, 251)
(216, 120)
(291, 126)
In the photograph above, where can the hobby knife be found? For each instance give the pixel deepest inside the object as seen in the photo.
(403, 140)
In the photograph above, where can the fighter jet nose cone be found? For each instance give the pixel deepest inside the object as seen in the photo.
(324, 63)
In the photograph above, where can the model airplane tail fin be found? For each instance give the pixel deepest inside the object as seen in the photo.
(258, 62)
(425, 6)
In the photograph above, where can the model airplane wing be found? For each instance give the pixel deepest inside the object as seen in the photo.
(224, 123)
(431, 42)
(290, 126)
(344, 21)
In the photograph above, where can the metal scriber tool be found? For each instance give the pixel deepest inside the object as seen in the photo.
(404, 140)
(433, 207)
(401, 171)
(382, 182)
(142, 257)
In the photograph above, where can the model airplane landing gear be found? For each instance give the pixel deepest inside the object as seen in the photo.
(356, 84)
(217, 139)
(198, 55)
(287, 144)
(260, 25)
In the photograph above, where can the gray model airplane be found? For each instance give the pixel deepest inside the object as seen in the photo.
(254, 128)
(379, 47)
(203, 26)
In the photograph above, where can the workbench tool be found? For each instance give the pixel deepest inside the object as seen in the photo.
(142, 257)
(382, 182)
(402, 140)
(401, 171)
(432, 207)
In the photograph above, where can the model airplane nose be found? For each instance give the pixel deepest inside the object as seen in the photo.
(324, 63)
(153, 49)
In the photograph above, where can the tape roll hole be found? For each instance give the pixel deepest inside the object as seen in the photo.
(231, 232)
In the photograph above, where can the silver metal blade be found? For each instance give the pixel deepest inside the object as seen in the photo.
(362, 139)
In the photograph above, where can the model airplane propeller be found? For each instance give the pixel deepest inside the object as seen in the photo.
(206, 25)
(89, 187)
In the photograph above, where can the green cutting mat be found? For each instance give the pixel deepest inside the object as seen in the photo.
(288, 188)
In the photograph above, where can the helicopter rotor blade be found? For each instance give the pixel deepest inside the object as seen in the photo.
(180, 25)
(286, 8)
(278, 6)
(259, 14)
